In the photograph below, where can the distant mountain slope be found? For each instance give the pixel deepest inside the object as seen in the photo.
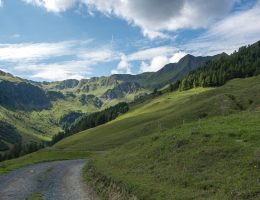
(119, 86)
(9, 77)
(121, 90)
(22, 95)
(175, 71)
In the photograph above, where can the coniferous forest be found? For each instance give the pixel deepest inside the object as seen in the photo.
(241, 64)
(92, 120)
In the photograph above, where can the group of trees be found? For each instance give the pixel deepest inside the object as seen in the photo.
(19, 150)
(216, 72)
(92, 120)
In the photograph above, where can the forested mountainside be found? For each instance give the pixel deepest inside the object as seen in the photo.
(216, 72)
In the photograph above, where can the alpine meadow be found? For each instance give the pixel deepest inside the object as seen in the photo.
(129, 100)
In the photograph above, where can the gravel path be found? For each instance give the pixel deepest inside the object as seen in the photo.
(58, 180)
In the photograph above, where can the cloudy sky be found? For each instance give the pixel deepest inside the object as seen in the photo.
(60, 39)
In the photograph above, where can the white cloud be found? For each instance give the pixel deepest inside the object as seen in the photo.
(99, 55)
(34, 51)
(237, 29)
(156, 64)
(152, 59)
(177, 56)
(53, 5)
(123, 67)
(1, 3)
(56, 71)
(55, 61)
(160, 61)
(154, 17)
(150, 53)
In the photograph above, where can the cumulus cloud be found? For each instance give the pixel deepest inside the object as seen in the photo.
(176, 57)
(156, 64)
(150, 59)
(154, 17)
(123, 67)
(53, 5)
(160, 61)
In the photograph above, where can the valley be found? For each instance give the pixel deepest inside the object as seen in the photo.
(194, 136)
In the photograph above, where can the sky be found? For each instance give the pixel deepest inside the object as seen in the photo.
(50, 40)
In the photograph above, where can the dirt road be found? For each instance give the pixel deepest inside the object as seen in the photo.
(58, 180)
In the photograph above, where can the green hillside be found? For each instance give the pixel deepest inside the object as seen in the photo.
(182, 145)
(201, 143)
(9, 77)
(168, 111)
(193, 143)
(37, 110)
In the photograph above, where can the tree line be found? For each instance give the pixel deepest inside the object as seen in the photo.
(92, 120)
(18, 150)
(216, 72)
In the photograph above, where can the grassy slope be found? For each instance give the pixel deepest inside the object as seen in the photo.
(215, 158)
(164, 151)
(168, 154)
(168, 111)
(42, 125)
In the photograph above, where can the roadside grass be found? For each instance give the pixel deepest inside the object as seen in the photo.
(43, 155)
(215, 158)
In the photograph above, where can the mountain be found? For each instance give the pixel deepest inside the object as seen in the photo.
(175, 71)
(22, 95)
(121, 90)
(9, 77)
(45, 106)
(197, 141)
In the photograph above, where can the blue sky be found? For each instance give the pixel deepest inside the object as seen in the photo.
(60, 39)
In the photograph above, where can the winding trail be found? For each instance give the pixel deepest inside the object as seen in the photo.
(58, 180)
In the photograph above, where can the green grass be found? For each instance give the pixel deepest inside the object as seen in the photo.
(215, 158)
(197, 144)
(42, 125)
(9, 77)
(140, 121)
(168, 111)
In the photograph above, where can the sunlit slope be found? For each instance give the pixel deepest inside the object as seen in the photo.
(169, 111)
(213, 158)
